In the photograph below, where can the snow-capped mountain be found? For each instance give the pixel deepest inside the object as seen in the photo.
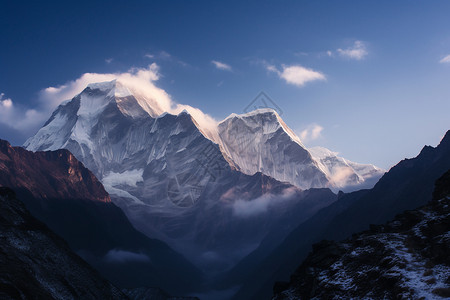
(188, 184)
(260, 141)
(169, 176)
(343, 173)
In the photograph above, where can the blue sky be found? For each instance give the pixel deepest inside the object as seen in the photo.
(367, 79)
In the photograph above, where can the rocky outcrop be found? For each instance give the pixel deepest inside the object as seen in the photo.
(50, 174)
(38, 264)
(406, 258)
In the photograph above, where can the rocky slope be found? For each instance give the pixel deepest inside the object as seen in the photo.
(66, 196)
(38, 264)
(406, 186)
(406, 258)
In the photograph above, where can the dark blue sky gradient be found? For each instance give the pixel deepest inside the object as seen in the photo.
(379, 109)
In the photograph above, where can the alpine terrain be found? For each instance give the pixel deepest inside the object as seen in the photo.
(211, 192)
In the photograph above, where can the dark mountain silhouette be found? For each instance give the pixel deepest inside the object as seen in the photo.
(38, 264)
(62, 193)
(406, 258)
(407, 185)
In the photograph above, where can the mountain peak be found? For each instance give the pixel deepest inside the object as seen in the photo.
(114, 88)
(103, 86)
(446, 139)
(256, 112)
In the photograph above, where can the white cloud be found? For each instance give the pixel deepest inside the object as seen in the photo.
(358, 51)
(340, 175)
(296, 74)
(329, 53)
(445, 59)
(248, 208)
(310, 133)
(148, 55)
(18, 117)
(109, 60)
(221, 66)
(5, 103)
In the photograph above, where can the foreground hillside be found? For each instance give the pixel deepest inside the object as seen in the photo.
(406, 186)
(406, 258)
(58, 190)
(38, 264)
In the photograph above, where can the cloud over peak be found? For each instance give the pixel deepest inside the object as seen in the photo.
(140, 81)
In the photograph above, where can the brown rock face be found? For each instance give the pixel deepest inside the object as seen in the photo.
(50, 174)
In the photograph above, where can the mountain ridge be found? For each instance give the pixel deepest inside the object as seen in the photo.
(133, 104)
(407, 185)
(405, 257)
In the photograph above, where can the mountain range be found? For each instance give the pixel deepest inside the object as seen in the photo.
(195, 186)
(242, 199)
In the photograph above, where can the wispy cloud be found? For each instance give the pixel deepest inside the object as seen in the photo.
(221, 66)
(165, 56)
(311, 132)
(296, 74)
(109, 60)
(445, 60)
(358, 51)
(254, 207)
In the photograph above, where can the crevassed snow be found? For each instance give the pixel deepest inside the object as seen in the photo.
(259, 141)
(49, 135)
(129, 177)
